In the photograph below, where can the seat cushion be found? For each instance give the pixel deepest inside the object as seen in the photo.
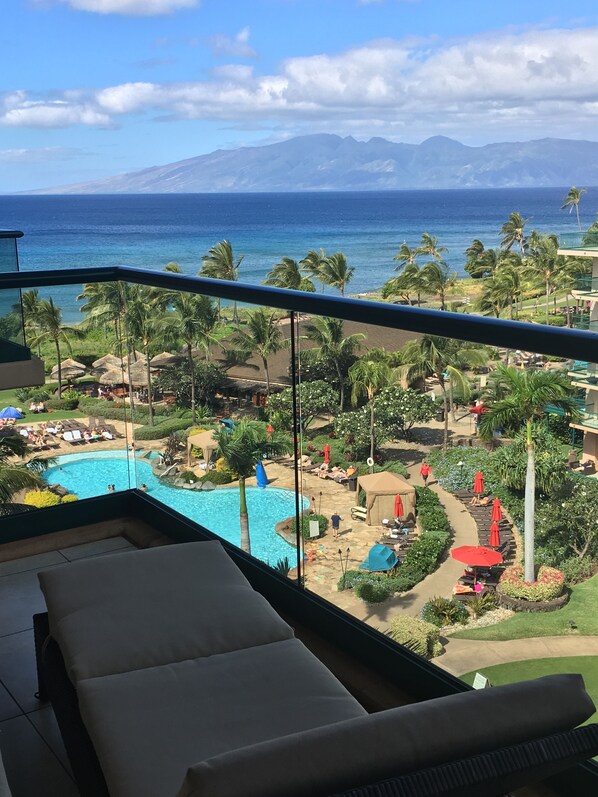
(149, 726)
(335, 758)
(138, 609)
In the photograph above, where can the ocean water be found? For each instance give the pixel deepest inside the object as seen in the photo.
(149, 231)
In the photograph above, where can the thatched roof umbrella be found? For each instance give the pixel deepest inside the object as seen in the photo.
(134, 357)
(113, 376)
(107, 361)
(137, 375)
(165, 359)
(70, 369)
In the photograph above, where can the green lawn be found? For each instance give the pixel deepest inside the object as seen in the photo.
(535, 668)
(581, 609)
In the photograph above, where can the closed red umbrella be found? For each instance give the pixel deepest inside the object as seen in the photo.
(494, 535)
(399, 511)
(270, 428)
(496, 510)
(327, 454)
(478, 484)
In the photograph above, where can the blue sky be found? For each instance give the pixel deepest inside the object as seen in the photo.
(93, 88)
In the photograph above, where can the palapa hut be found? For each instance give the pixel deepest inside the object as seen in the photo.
(380, 491)
(107, 361)
(165, 359)
(203, 440)
(70, 369)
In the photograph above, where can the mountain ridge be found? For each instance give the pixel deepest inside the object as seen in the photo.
(328, 162)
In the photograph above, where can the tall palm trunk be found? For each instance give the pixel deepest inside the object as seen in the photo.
(244, 517)
(267, 373)
(547, 298)
(59, 368)
(372, 435)
(445, 406)
(341, 386)
(192, 375)
(530, 499)
(150, 404)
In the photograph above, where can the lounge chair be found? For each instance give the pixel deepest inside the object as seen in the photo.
(358, 513)
(68, 437)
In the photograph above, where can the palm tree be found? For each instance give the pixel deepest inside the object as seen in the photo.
(476, 265)
(445, 359)
(544, 263)
(437, 280)
(220, 264)
(513, 232)
(368, 377)
(312, 263)
(526, 394)
(106, 304)
(145, 326)
(16, 476)
(406, 256)
(336, 272)
(429, 246)
(332, 346)
(30, 304)
(287, 274)
(411, 279)
(49, 321)
(263, 336)
(241, 448)
(572, 200)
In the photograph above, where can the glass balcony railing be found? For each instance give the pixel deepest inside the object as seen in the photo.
(582, 241)
(295, 427)
(583, 321)
(587, 286)
(589, 417)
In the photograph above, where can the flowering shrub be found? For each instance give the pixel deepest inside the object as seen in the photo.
(420, 637)
(41, 499)
(549, 584)
(69, 498)
(444, 611)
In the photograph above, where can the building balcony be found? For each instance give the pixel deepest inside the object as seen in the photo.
(583, 321)
(588, 421)
(586, 288)
(360, 654)
(584, 374)
(582, 244)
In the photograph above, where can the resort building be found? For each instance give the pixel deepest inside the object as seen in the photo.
(584, 374)
(159, 641)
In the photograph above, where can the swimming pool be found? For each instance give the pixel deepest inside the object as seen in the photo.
(88, 474)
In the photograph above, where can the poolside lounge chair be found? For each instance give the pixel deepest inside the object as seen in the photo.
(358, 513)
(68, 437)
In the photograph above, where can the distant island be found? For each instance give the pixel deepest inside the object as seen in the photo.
(325, 162)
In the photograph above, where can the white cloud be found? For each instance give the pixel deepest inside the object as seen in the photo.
(238, 46)
(39, 154)
(129, 7)
(508, 84)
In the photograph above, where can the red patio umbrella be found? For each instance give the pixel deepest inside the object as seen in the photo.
(327, 454)
(399, 511)
(494, 535)
(496, 510)
(478, 483)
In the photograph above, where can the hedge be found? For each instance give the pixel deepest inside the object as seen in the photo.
(161, 430)
(420, 637)
(549, 584)
(41, 498)
(61, 404)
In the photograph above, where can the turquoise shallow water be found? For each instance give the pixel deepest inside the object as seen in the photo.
(218, 510)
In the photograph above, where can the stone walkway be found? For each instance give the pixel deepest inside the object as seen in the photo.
(465, 655)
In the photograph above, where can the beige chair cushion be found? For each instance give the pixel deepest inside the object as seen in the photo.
(148, 726)
(338, 757)
(137, 609)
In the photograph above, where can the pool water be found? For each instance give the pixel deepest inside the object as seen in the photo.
(88, 475)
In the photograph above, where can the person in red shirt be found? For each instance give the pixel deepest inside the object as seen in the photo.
(424, 472)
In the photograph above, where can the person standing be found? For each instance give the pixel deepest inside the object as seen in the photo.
(425, 471)
(335, 519)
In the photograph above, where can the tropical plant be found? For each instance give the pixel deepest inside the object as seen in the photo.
(316, 398)
(368, 377)
(572, 200)
(332, 347)
(312, 263)
(49, 322)
(287, 274)
(444, 611)
(548, 585)
(445, 359)
(513, 232)
(194, 383)
(220, 263)
(429, 246)
(437, 280)
(336, 272)
(262, 336)
(527, 393)
(14, 475)
(410, 280)
(420, 637)
(242, 447)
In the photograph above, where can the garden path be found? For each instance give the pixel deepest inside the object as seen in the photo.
(464, 655)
